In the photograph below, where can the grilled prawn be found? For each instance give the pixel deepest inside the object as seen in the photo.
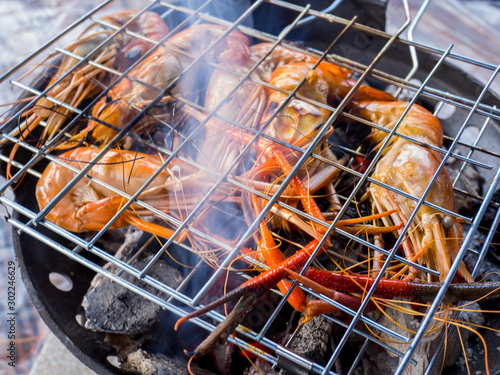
(86, 80)
(157, 72)
(247, 104)
(92, 202)
(433, 238)
(297, 123)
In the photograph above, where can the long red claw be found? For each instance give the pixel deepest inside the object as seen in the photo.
(236, 293)
(259, 284)
(304, 194)
(318, 307)
(223, 330)
(274, 257)
(352, 283)
(388, 288)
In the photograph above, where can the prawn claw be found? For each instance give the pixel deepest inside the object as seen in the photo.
(226, 328)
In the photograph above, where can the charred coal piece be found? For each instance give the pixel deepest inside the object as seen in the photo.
(312, 340)
(109, 307)
(221, 357)
(260, 367)
(376, 361)
(141, 362)
(124, 345)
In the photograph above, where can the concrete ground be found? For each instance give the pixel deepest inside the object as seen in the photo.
(55, 359)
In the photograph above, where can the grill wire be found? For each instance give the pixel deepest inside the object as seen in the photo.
(179, 303)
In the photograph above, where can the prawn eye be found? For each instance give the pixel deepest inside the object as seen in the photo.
(447, 222)
(133, 54)
(272, 107)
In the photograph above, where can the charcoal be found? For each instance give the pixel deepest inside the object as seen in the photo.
(123, 344)
(395, 320)
(141, 362)
(489, 217)
(349, 135)
(260, 367)
(221, 357)
(491, 211)
(489, 269)
(128, 238)
(110, 307)
(475, 353)
(376, 365)
(379, 363)
(312, 340)
(382, 361)
(120, 240)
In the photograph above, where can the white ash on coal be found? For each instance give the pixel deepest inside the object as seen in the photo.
(109, 307)
(113, 308)
(260, 367)
(313, 340)
(378, 361)
(141, 362)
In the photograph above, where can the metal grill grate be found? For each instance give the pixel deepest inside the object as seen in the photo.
(479, 152)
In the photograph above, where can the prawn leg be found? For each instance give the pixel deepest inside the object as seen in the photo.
(333, 285)
(259, 284)
(95, 215)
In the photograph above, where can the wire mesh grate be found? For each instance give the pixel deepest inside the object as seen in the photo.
(169, 122)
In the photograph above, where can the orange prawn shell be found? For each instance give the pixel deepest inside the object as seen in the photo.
(125, 171)
(158, 71)
(409, 167)
(418, 123)
(299, 118)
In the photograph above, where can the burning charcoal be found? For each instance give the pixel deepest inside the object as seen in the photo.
(148, 364)
(475, 353)
(110, 307)
(383, 364)
(221, 356)
(312, 340)
(491, 211)
(123, 344)
(471, 314)
(489, 270)
(489, 216)
(377, 361)
(120, 240)
(260, 367)
(429, 344)
(349, 135)
(128, 238)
